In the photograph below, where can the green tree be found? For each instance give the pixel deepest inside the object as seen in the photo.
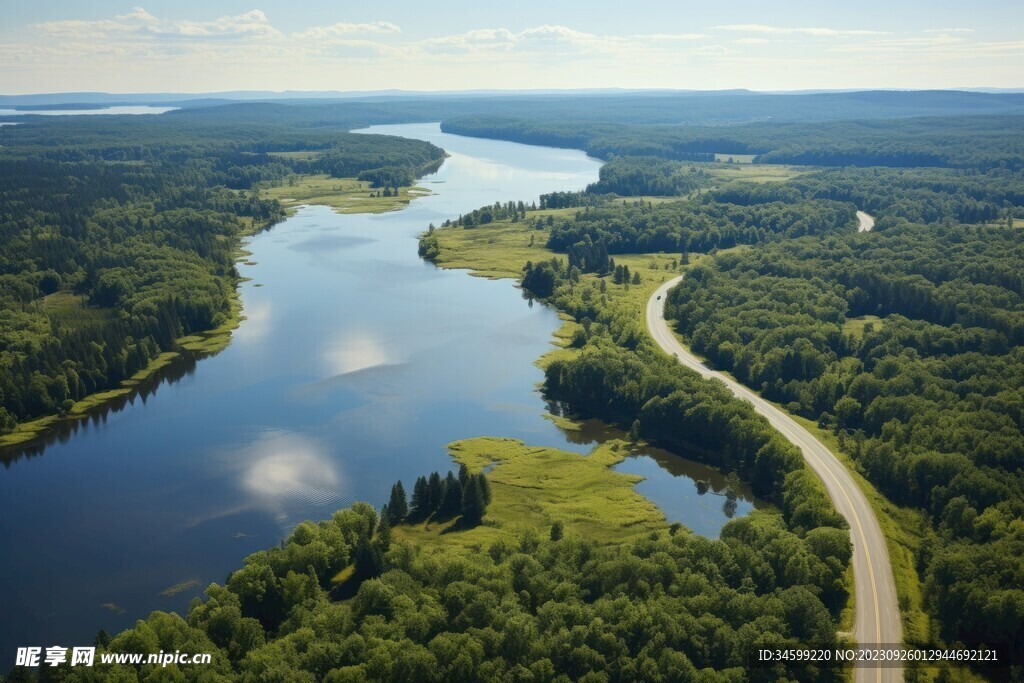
(474, 505)
(398, 507)
(420, 499)
(451, 499)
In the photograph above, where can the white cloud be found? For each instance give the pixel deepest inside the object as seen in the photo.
(537, 39)
(138, 51)
(711, 50)
(943, 43)
(809, 31)
(1016, 46)
(548, 39)
(140, 24)
(346, 29)
(671, 36)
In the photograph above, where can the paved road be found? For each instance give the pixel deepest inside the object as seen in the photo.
(877, 610)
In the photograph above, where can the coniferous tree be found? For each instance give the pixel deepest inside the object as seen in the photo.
(368, 562)
(473, 503)
(485, 487)
(420, 499)
(451, 500)
(434, 492)
(398, 507)
(382, 543)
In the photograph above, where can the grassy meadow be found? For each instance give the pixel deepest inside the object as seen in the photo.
(534, 487)
(344, 195)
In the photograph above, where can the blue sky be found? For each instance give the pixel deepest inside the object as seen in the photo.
(211, 45)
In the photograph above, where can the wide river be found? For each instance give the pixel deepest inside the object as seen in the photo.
(356, 364)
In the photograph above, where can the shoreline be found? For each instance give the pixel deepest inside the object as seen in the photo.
(197, 345)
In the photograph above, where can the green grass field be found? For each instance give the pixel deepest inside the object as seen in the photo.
(344, 195)
(72, 310)
(855, 326)
(534, 487)
(754, 173)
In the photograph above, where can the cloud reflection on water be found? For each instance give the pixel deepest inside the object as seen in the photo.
(281, 470)
(257, 323)
(354, 351)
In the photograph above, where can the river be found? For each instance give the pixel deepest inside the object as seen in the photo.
(133, 110)
(356, 364)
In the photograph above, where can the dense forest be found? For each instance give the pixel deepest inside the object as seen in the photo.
(641, 227)
(906, 341)
(969, 142)
(671, 607)
(927, 398)
(342, 600)
(718, 108)
(919, 195)
(638, 176)
(118, 238)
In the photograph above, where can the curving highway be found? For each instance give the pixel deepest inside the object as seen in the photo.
(877, 617)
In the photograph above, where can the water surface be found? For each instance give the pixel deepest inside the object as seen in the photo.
(356, 364)
(118, 109)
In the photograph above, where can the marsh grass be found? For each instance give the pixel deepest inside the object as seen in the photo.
(534, 487)
(344, 195)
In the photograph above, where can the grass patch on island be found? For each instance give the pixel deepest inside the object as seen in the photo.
(533, 487)
(344, 195)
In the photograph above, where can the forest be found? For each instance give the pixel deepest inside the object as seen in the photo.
(926, 398)
(638, 176)
(346, 599)
(671, 607)
(642, 227)
(120, 238)
(967, 142)
(905, 342)
(919, 195)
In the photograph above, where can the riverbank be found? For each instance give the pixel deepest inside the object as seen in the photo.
(200, 344)
(343, 195)
(322, 397)
(501, 249)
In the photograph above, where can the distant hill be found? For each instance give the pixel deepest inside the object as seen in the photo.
(636, 106)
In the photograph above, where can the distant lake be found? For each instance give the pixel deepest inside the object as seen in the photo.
(142, 109)
(356, 364)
